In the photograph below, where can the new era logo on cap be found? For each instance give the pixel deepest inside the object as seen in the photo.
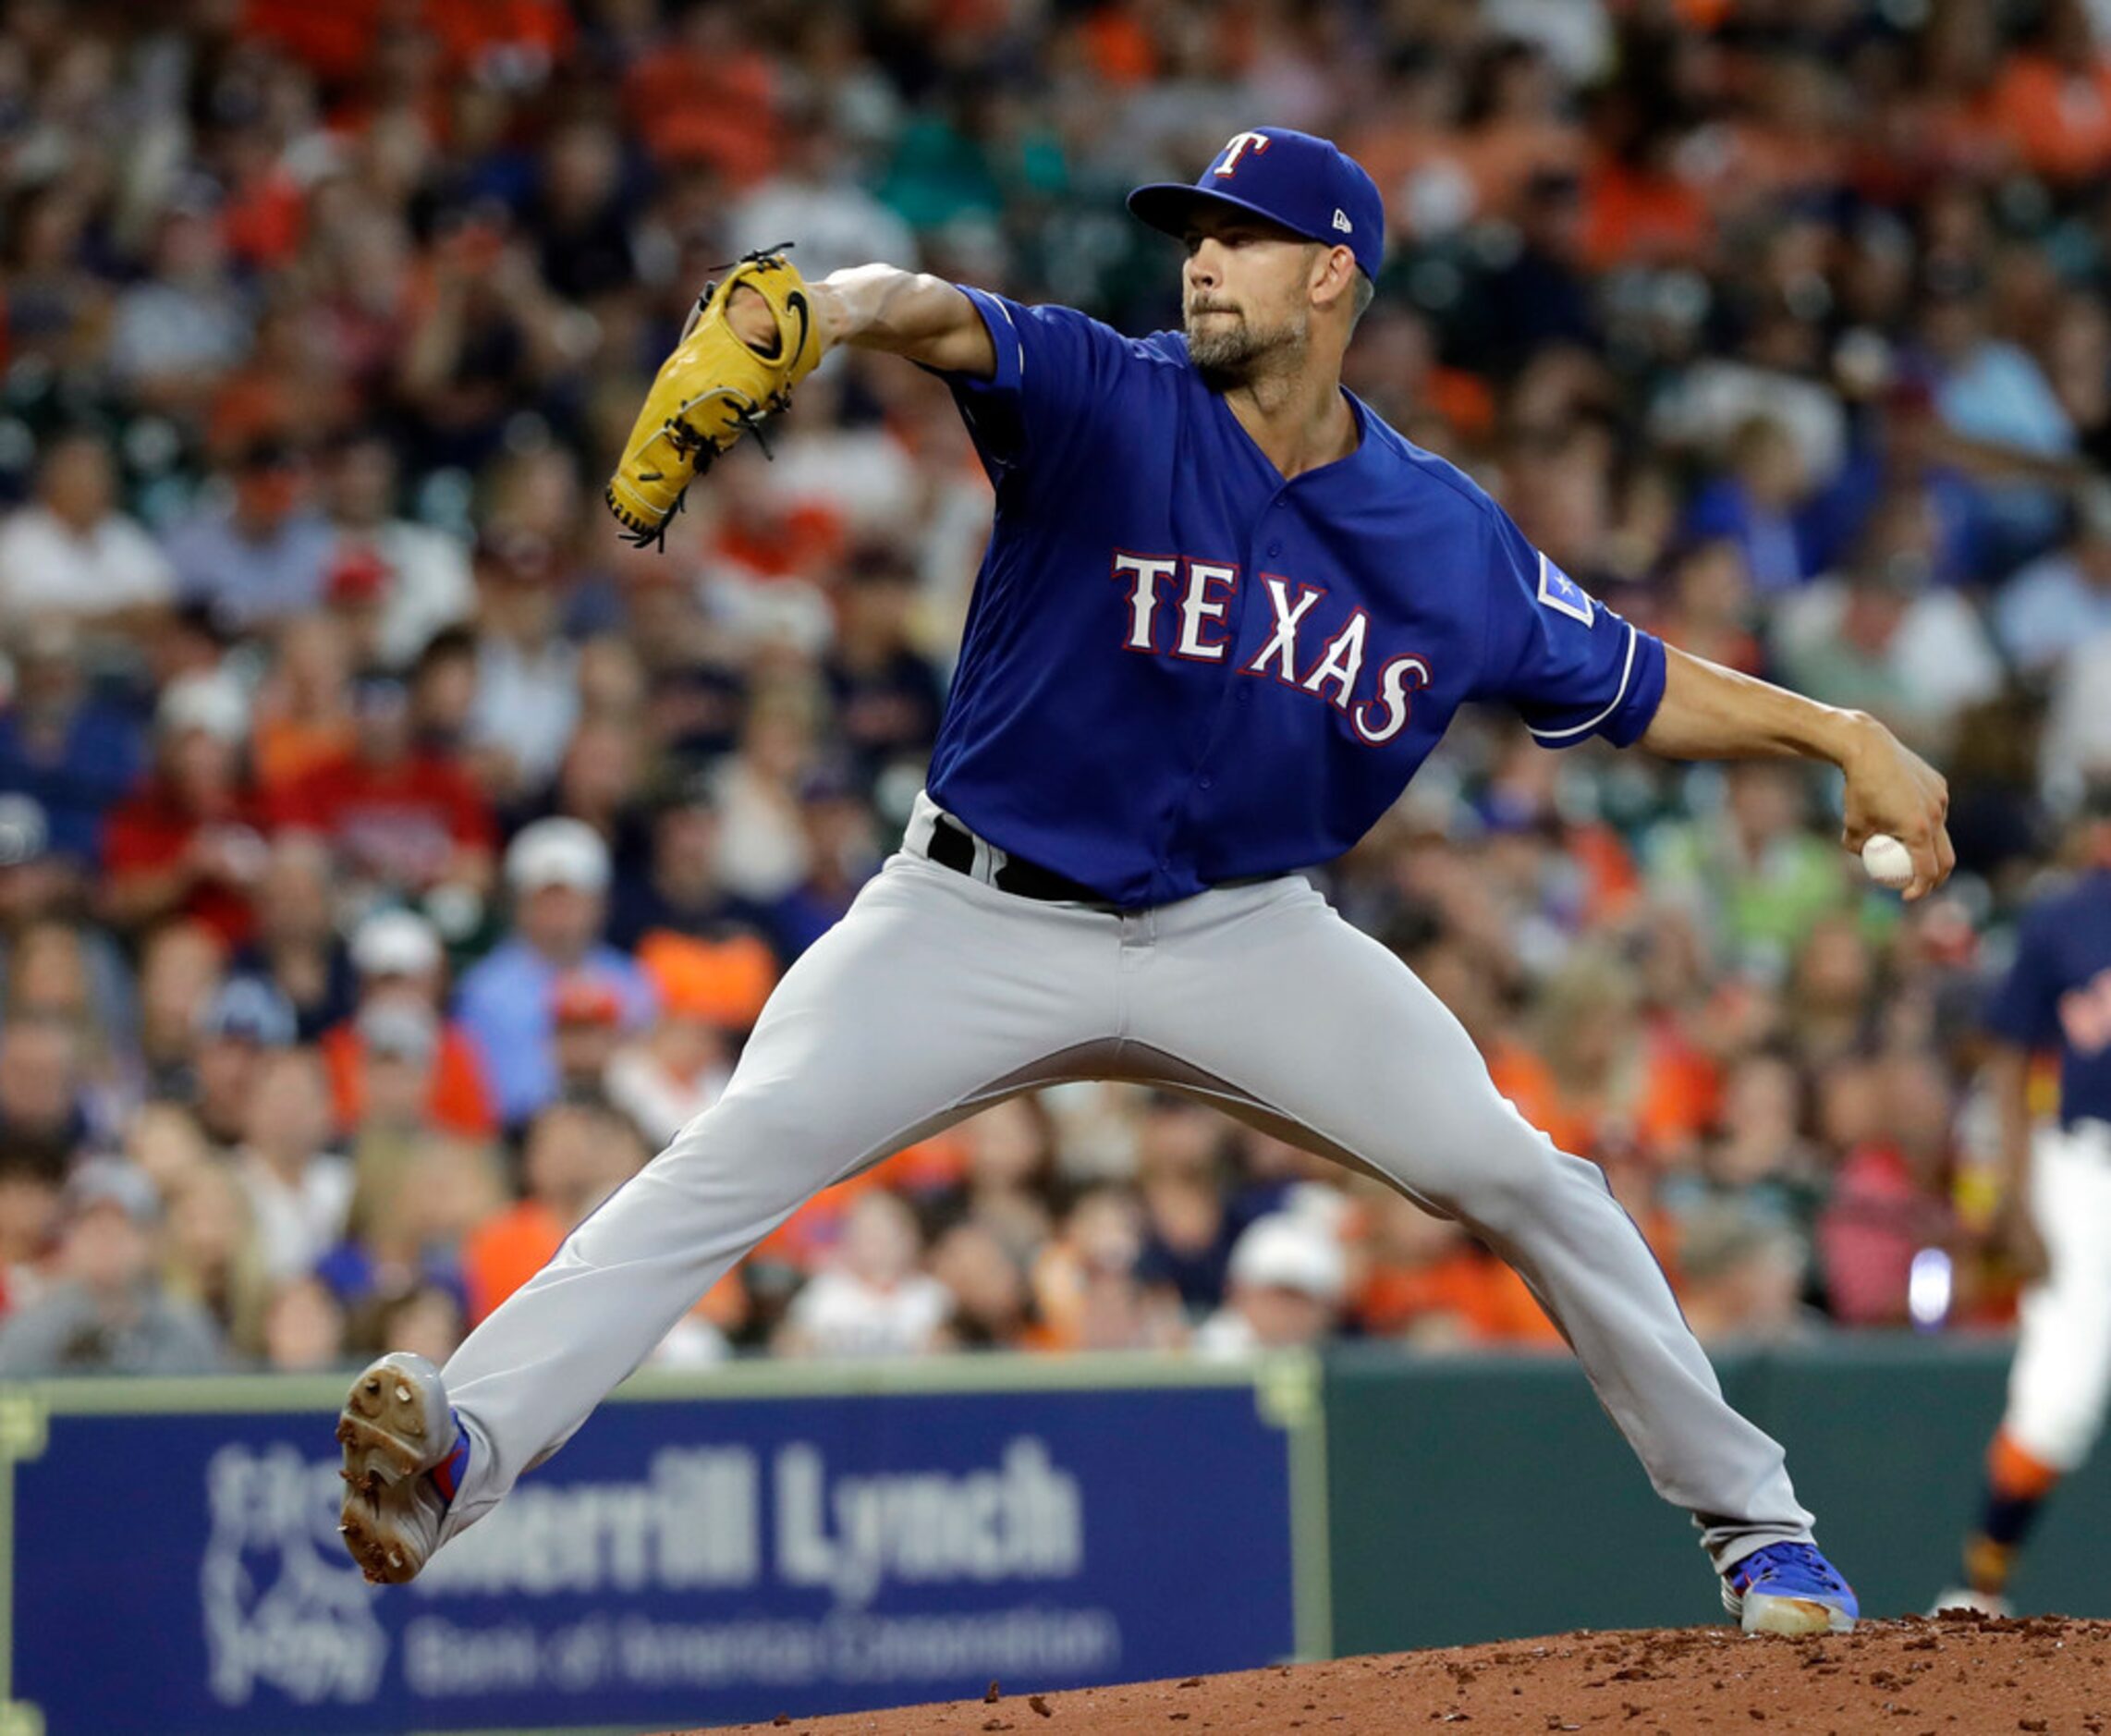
(1306, 184)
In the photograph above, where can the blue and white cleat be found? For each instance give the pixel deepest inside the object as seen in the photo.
(404, 1457)
(1789, 1588)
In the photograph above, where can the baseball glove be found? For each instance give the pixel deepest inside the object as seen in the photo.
(715, 388)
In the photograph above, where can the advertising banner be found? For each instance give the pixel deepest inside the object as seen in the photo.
(713, 1550)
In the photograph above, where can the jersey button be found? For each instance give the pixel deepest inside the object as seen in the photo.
(1207, 781)
(1274, 549)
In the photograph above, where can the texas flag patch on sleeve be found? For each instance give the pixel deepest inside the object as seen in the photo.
(1558, 591)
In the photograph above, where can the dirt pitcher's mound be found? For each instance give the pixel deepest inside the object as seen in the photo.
(1959, 1675)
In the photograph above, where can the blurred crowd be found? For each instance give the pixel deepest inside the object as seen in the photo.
(391, 861)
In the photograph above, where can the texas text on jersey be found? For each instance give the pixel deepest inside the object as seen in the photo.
(1181, 669)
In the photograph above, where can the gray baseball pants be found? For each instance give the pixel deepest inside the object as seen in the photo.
(938, 995)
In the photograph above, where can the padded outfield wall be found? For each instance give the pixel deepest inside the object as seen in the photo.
(1487, 1498)
(775, 1537)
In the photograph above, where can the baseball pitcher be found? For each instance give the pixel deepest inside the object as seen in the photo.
(1225, 614)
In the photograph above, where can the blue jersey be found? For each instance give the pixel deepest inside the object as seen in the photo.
(2059, 991)
(1181, 669)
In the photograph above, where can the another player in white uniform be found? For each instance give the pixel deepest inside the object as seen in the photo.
(2057, 1206)
(1225, 614)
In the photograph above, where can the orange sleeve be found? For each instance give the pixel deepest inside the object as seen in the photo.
(460, 1101)
(1527, 1083)
(340, 1049)
(501, 1255)
(1512, 1313)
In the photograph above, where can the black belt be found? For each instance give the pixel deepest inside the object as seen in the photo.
(952, 845)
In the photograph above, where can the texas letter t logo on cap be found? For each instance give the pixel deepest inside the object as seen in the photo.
(1240, 143)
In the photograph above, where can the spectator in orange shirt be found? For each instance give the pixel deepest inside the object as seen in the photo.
(1596, 1077)
(399, 959)
(1427, 1282)
(708, 95)
(575, 1155)
(503, 41)
(303, 710)
(1639, 207)
(2054, 102)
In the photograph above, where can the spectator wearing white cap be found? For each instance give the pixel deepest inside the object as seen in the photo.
(402, 969)
(1287, 1277)
(188, 840)
(557, 872)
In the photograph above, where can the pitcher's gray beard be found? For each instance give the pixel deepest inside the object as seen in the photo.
(1234, 355)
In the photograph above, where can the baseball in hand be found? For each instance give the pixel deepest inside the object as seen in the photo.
(1888, 861)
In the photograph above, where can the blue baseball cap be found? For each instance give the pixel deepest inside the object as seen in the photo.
(249, 1010)
(1308, 185)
